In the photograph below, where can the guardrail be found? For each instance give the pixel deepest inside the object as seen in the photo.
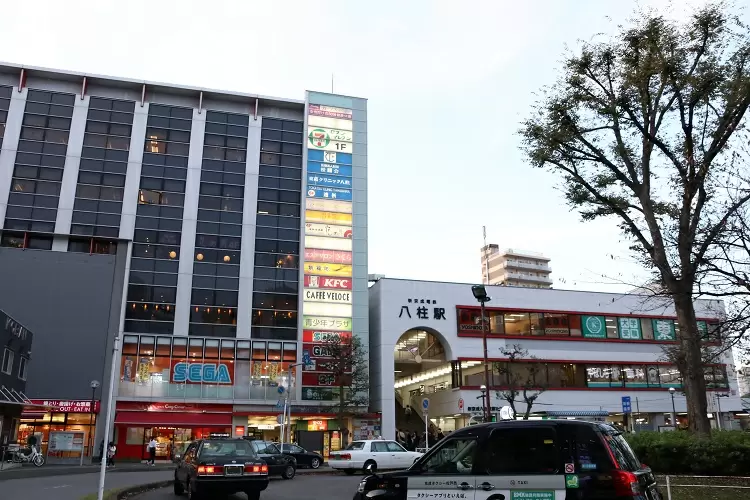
(669, 486)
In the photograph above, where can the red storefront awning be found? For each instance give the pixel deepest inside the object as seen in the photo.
(173, 419)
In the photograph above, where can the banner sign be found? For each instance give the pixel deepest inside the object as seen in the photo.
(316, 167)
(320, 393)
(328, 205)
(328, 269)
(318, 379)
(318, 351)
(327, 309)
(328, 217)
(327, 323)
(330, 296)
(332, 134)
(328, 282)
(322, 255)
(325, 122)
(317, 229)
(318, 336)
(197, 373)
(329, 193)
(324, 243)
(324, 180)
(329, 157)
(65, 406)
(329, 111)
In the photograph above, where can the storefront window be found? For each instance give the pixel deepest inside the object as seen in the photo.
(517, 324)
(227, 349)
(635, 376)
(611, 324)
(164, 346)
(195, 349)
(536, 323)
(598, 375)
(566, 375)
(179, 355)
(556, 324)
(259, 351)
(669, 376)
(617, 378)
(497, 325)
(574, 321)
(647, 329)
(290, 352)
(652, 376)
(212, 349)
(274, 351)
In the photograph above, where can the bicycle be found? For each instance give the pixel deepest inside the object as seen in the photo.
(33, 457)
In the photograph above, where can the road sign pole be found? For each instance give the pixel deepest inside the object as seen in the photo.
(426, 428)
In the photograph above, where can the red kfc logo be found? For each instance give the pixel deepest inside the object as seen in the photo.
(328, 282)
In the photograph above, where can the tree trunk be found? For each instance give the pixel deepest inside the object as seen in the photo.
(690, 364)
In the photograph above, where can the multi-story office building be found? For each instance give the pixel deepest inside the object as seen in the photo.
(513, 267)
(227, 209)
(586, 355)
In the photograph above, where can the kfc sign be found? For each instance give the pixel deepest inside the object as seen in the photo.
(66, 406)
(328, 282)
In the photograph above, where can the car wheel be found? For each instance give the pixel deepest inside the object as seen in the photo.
(179, 489)
(289, 472)
(315, 463)
(253, 494)
(192, 495)
(373, 462)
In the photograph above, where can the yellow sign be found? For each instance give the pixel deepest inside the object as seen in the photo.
(327, 269)
(328, 217)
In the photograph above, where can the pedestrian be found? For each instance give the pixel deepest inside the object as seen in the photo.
(408, 443)
(101, 451)
(152, 451)
(407, 410)
(440, 434)
(111, 450)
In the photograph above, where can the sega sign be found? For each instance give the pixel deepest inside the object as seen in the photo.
(197, 373)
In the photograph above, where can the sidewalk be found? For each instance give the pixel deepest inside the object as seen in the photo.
(30, 471)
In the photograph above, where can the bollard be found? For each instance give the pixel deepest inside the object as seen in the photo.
(669, 490)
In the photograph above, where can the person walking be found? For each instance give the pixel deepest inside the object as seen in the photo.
(111, 450)
(407, 410)
(152, 451)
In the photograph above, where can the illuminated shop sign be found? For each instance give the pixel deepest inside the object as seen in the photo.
(329, 157)
(331, 193)
(325, 122)
(322, 336)
(328, 269)
(328, 205)
(324, 255)
(330, 296)
(328, 217)
(326, 309)
(329, 111)
(196, 373)
(316, 167)
(329, 180)
(331, 134)
(327, 230)
(328, 282)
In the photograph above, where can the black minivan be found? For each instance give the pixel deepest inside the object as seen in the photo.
(524, 459)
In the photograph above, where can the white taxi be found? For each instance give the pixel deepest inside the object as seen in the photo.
(380, 453)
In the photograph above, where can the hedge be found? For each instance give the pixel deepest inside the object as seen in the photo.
(725, 453)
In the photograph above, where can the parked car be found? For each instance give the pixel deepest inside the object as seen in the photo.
(279, 464)
(560, 459)
(379, 453)
(212, 468)
(303, 457)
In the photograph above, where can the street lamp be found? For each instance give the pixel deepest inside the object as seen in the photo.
(288, 406)
(672, 390)
(480, 293)
(718, 401)
(483, 390)
(94, 386)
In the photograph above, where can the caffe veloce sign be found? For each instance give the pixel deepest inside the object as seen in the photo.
(173, 407)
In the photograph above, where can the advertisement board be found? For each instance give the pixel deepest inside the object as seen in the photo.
(322, 336)
(331, 134)
(328, 205)
(328, 217)
(66, 406)
(65, 441)
(318, 379)
(329, 157)
(183, 372)
(325, 255)
(329, 111)
(327, 180)
(327, 309)
(325, 243)
(328, 230)
(318, 351)
(330, 282)
(329, 193)
(325, 144)
(320, 393)
(329, 296)
(327, 323)
(328, 269)
(325, 122)
(316, 167)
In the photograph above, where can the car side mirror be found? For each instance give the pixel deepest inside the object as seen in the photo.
(371, 469)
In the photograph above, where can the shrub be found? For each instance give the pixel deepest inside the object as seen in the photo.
(725, 453)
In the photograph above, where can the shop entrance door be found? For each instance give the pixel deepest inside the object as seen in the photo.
(165, 437)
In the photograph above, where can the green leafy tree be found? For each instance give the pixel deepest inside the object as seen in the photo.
(346, 369)
(649, 129)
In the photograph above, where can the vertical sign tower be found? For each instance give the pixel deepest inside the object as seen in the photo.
(334, 267)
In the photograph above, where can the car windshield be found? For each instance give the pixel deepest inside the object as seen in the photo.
(356, 445)
(233, 449)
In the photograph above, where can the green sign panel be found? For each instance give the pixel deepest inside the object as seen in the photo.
(630, 328)
(571, 481)
(594, 327)
(532, 495)
(663, 329)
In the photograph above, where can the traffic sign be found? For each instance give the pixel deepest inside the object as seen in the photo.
(461, 403)
(626, 407)
(279, 419)
(425, 404)
(306, 357)
(280, 389)
(280, 404)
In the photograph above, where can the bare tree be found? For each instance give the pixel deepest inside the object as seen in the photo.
(522, 378)
(344, 367)
(646, 129)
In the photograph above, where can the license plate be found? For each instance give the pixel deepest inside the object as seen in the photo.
(654, 494)
(233, 470)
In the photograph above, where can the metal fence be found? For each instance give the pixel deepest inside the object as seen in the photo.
(669, 486)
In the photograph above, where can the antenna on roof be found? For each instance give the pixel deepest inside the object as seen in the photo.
(331, 83)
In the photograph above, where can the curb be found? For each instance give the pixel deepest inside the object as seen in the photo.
(142, 488)
(25, 473)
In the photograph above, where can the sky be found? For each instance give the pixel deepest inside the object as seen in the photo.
(447, 84)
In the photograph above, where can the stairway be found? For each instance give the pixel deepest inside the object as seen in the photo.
(415, 422)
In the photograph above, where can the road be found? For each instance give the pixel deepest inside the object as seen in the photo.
(302, 487)
(73, 487)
